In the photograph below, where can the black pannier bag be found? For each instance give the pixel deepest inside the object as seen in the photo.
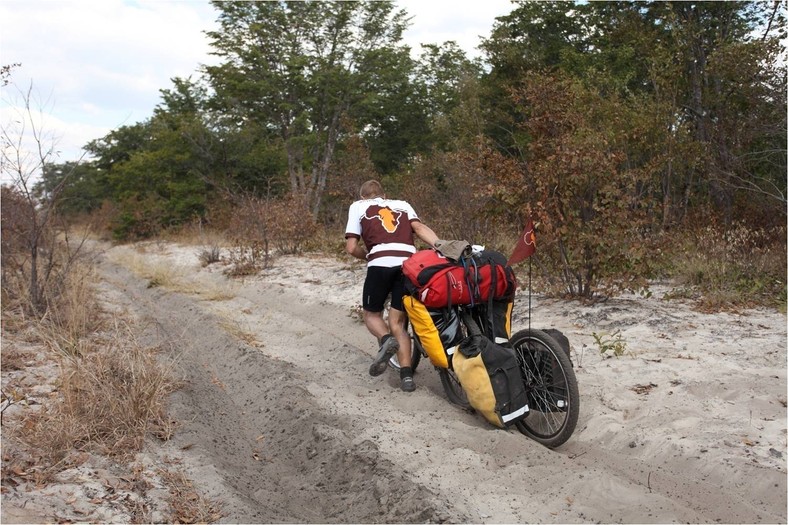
(491, 379)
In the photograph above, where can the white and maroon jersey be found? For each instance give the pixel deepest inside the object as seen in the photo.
(384, 226)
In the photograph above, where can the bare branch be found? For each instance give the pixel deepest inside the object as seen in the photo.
(27, 151)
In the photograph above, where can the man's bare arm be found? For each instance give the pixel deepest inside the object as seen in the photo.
(355, 249)
(424, 232)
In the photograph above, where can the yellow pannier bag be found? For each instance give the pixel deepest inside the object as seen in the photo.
(477, 387)
(491, 379)
(438, 330)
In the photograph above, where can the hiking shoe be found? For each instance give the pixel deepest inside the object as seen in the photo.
(388, 348)
(407, 384)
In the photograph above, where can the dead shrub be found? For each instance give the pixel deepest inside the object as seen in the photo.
(111, 398)
(291, 224)
(70, 311)
(262, 226)
(735, 267)
(329, 241)
(38, 255)
(250, 242)
(16, 226)
(208, 256)
(451, 193)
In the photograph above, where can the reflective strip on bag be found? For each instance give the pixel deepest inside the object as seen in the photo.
(517, 413)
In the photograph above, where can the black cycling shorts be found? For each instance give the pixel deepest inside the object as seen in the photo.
(381, 282)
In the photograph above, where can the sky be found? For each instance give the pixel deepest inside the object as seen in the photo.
(93, 66)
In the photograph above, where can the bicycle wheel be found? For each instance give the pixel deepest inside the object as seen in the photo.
(452, 387)
(553, 395)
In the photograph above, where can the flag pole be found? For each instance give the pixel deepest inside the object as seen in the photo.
(529, 294)
(524, 249)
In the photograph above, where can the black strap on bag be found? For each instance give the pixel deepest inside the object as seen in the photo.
(494, 285)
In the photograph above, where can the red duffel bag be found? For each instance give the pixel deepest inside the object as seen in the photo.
(439, 282)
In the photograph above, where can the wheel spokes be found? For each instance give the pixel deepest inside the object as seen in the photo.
(547, 390)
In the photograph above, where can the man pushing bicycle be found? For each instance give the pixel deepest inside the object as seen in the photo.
(386, 227)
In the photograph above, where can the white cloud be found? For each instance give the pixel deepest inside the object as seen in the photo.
(104, 61)
(464, 21)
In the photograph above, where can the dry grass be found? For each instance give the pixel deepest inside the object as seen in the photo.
(209, 255)
(195, 234)
(108, 395)
(740, 267)
(105, 400)
(163, 273)
(188, 506)
(85, 386)
(110, 399)
(73, 314)
(235, 328)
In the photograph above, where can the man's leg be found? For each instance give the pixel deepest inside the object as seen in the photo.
(397, 326)
(375, 324)
(377, 286)
(388, 342)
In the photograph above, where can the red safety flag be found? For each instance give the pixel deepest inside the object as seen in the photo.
(526, 244)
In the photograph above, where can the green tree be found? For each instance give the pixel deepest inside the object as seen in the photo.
(702, 83)
(75, 184)
(158, 172)
(533, 37)
(736, 98)
(447, 82)
(307, 70)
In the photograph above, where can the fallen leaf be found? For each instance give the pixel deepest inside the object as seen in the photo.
(643, 389)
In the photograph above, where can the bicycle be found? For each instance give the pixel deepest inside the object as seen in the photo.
(551, 384)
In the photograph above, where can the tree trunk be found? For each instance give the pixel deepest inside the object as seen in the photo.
(320, 172)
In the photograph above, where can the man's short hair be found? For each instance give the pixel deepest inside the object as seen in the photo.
(371, 189)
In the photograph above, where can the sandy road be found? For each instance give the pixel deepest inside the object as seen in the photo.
(291, 428)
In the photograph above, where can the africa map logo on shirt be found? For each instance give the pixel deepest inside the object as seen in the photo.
(388, 218)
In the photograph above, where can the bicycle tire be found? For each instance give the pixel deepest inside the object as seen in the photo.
(553, 394)
(451, 385)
